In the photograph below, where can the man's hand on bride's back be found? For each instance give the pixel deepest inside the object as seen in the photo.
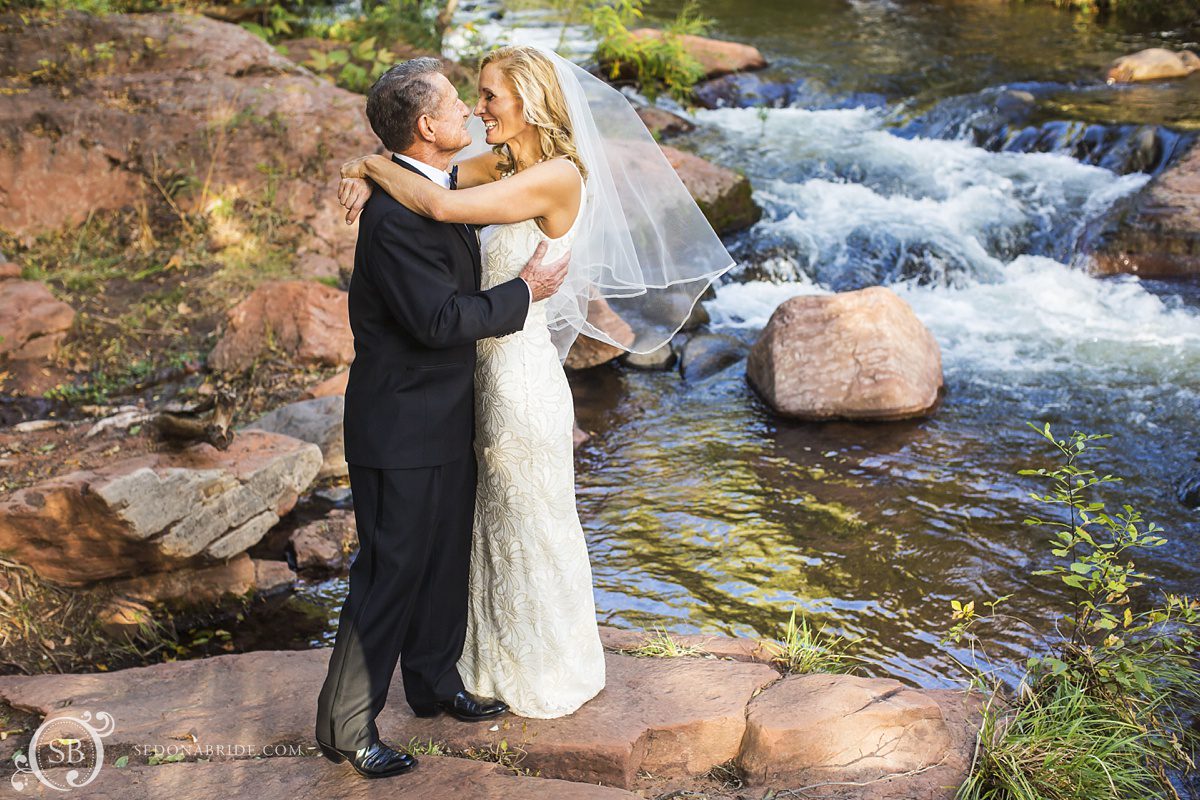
(544, 279)
(353, 194)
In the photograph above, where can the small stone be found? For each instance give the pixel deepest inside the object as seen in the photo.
(272, 577)
(123, 619)
(34, 322)
(707, 354)
(335, 386)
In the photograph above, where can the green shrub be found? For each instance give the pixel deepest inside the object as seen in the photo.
(805, 650)
(1168, 12)
(656, 65)
(1097, 715)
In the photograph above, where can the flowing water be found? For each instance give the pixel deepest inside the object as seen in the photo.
(957, 152)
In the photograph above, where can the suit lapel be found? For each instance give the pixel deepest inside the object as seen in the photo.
(464, 231)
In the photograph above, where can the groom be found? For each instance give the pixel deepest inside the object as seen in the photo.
(416, 312)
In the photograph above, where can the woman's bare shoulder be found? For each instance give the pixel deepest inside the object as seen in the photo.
(478, 170)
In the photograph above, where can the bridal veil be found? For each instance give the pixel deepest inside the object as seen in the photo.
(642, 244)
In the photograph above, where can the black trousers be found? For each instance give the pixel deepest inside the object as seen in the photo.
(407, 597)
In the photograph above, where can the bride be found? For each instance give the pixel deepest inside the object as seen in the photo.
(571, 165)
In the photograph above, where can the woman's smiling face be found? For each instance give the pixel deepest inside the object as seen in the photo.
(499, 106)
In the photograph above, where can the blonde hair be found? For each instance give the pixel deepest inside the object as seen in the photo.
(544, 106)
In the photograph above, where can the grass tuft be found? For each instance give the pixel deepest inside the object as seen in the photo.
(807, 650)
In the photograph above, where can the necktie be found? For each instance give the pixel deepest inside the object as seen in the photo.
(454, 177)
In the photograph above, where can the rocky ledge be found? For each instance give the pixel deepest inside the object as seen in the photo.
(659, 727)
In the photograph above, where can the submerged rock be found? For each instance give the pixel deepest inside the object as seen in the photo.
(307, 321)
(706, 354)
(854, 355)
(1188, 489)
(157, 512)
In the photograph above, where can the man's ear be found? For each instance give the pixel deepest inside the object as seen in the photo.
(425, 129)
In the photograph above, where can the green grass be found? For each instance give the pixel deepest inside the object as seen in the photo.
(661, 644)
(429, 747)
(804, 649)
(1168, 12)
(1062, 744)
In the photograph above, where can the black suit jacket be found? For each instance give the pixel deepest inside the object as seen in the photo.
(416, 312)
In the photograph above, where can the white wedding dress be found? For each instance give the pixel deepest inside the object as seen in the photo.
(532, 638)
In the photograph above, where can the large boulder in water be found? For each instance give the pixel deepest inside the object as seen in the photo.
(1156, 233)
(854, 355)
(1151, 64)
(716, 57)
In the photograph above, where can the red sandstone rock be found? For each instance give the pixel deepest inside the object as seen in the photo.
(587, 352)
(191, 585)
(1151, 64)
(716, 57)
(1158, 234)
(853, 355)
(811, 729)
(669, 717)
(159, 511)
(663, 123)
(295, 778)
(181, 93)
(722, 194)
(122, 618)
(325, 543)
(32, 322)
(329, 387)
(307, 321)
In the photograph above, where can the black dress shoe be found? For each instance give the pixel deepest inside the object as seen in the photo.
(376, 760)
(464, 706)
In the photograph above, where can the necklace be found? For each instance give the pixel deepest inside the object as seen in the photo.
(508, 173)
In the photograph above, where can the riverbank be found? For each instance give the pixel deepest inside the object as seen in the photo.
(717, 722)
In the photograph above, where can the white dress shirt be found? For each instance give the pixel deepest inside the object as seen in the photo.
(442, 178)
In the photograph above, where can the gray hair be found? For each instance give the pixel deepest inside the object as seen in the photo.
(398, 99)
